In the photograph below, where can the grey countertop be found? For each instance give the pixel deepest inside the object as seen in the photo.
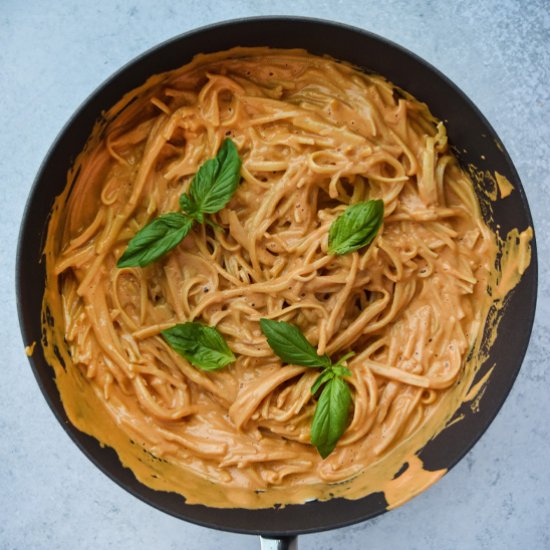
(53, 54)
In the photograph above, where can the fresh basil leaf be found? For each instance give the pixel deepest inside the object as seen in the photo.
(356, 227)
(331, 416)
(203, 346)
(340, 370)
(216, 180)
(328, 374)
(324, 377)
(155, 239)
(288, 342)
(211, 188)
(188, 205)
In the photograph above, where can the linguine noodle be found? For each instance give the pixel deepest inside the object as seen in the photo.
(314, 136)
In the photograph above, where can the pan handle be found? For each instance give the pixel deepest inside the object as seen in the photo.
(284, 543)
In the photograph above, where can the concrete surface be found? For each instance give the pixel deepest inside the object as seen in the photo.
(53, 54)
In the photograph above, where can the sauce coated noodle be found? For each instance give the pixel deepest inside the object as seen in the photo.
(314, 135)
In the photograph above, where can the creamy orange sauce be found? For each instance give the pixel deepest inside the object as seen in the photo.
(411, 482)
(314, 135)
(29, 350)
(504, 185)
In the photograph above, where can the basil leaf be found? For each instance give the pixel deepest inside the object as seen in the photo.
(188, 205)
(212, 187)
(340, 370)
(325, 376)
(216, 180)
(328, 374)
(155, 239)
(288, 342)
(356, 227)
(203, 346)
(331, 416)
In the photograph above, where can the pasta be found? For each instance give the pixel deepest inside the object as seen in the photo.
(314, 135)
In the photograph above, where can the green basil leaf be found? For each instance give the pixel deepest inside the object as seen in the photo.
(331, 416)
(216, 180)
(188, 205)
(340, 370)
(324, 377)
(288, 342)
(203, 346)
(155, 239)
(356, 227)
(211, 188)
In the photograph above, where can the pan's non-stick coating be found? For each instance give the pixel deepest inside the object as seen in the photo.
(468, 131)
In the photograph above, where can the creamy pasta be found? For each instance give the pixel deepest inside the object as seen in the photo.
(314, 135)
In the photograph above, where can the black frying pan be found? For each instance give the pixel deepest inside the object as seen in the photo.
(468, 131)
